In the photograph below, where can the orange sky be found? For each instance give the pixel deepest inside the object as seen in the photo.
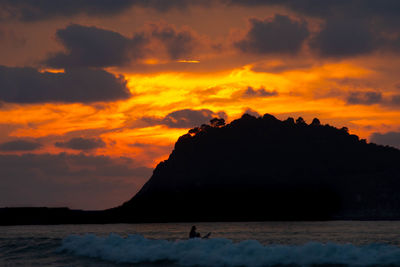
(182, 66)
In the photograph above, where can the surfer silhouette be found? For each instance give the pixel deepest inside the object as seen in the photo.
(194, 234)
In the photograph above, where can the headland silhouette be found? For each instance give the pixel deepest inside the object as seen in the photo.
(262, 168)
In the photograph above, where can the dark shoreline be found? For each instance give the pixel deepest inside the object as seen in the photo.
(58, 216)
(254, 169)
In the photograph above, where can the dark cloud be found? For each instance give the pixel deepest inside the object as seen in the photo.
(330, 8)
(162, 5)
(251, 92)
(185, 118)
(65, 179)
(27, 85)
(19, 145)
(99, 48)
(389, 139)
(279, 35)
(178, 44)
(391, 101)
(352, 27)
(28, 10)
(364, 98)
(395, 100)
(80, 143)
(95, 47)
(345, 37)
(252, 112)
(279, 68)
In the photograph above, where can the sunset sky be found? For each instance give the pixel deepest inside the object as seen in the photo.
(93, 94)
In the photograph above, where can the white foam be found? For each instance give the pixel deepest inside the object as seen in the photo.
(223, 252)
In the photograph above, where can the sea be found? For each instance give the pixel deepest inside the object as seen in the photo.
(328, 243)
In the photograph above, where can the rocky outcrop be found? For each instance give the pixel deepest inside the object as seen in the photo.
(267, 169)
(255, 169)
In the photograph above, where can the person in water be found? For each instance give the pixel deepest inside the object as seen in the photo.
(194, 234)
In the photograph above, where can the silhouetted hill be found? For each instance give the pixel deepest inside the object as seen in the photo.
(255, 169)
(267, 169)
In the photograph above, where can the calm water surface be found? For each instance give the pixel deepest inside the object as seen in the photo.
(335, 243)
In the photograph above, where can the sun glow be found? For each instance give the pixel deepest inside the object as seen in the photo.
(188, 61)
(133, 127)
(52, 70)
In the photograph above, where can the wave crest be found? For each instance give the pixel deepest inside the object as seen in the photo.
(224, 252)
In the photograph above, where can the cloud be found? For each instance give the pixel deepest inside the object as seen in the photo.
(66, 180)
(188, 118)
(19, 145)
(345, 37)
(95, 47)
(387, 100)
(27, 10)
(252, 112)
(99, 48)
(389, 139)
(395, 100)
(364, 98)
(280, 34)
(27, 85)
(351, 27)
(251, 92)
(178, 44)
(281, 66)
(80, 143)
(185, 118)
(330, 8)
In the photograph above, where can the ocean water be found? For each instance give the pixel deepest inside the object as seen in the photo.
(333, 243)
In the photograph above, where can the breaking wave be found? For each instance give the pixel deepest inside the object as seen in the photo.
(224, 252)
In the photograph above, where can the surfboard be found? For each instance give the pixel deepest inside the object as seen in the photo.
(207, 235)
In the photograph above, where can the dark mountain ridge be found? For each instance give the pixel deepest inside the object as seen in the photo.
(255, 169)
(267, 169)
